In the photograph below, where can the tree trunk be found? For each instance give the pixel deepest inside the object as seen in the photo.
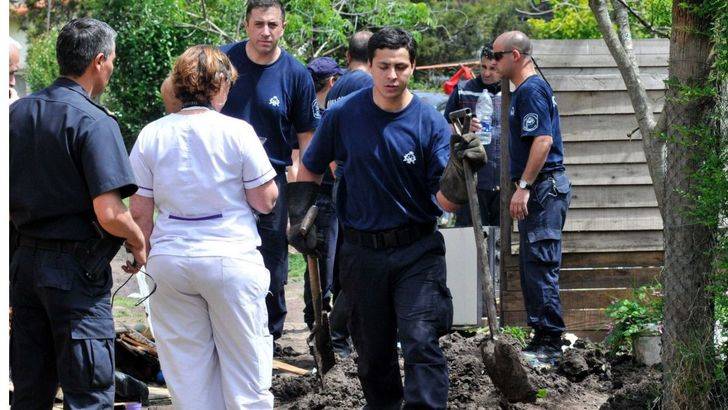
(687, 340)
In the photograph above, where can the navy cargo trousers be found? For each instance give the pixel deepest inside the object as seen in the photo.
(540, 252)
(399, 293)
(62, 332)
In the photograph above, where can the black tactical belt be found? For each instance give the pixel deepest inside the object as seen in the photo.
(392, 238)
(47, 244)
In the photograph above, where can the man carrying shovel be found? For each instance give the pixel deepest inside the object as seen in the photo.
(396, 177)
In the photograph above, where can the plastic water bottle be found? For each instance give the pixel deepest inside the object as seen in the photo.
(484, 112)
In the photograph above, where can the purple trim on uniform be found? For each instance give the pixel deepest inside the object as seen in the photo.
(202, 218)
(255, 179)
(143, 187)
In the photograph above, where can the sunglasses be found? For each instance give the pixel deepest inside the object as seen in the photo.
(497, 55)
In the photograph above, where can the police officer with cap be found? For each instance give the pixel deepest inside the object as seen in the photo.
(69, 171)
(396, 177)
(543, 191)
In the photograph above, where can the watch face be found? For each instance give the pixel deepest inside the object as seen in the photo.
(522, 184)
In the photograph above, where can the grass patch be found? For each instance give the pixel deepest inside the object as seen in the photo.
(296, 266)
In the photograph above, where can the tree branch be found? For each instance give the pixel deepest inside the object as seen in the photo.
(621, 49)
(648, 26)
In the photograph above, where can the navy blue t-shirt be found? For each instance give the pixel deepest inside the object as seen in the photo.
(278, 100)
(65, 150)
(350, 82)
(392, 162)
(534, 112)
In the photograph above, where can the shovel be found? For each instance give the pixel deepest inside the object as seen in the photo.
(503, 361)
(319, 341)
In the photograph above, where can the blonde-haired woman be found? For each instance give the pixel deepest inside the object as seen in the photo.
(206, 174)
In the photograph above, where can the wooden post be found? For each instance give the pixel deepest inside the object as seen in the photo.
(506, 187)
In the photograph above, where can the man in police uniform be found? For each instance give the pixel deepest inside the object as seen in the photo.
(543, 190)
(69, 171)
(275, 94)
(394, 151)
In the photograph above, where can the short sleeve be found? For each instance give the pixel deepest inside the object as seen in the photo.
(142, 171)
(321, 150)
(257, 169)
(305, 113)
(439, 153)
(452, 103)
(534, 112)
(104, 158)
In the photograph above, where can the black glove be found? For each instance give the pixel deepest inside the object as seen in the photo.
(462, 148)
(301, 196)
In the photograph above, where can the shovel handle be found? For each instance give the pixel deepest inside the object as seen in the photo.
(309, 219)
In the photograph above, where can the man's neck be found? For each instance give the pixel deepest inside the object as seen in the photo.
(523, 74)
(321, 98)
(262, 59)
(85, 83)
(356, 65)
(392, 105)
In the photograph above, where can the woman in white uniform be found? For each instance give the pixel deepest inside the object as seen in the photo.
(206, 174)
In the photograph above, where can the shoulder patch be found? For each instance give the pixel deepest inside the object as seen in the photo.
(530, 122)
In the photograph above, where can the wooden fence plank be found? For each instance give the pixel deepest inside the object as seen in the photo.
(597, 278)
(597, 46)
(603, 152)
(597, 127)
(609, 174)
(624, 241)
(628, 259)
(614, 196)
(571, 298)
(612, 219)
(554, 62)
(575, 319)
(603, 102)
(603, 82)
(558, 69)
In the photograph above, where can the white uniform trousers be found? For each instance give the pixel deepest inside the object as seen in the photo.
(211, 326)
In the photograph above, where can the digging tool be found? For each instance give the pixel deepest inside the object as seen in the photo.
(320, 338)
(503, 361)
(461, 121)
(289, 368)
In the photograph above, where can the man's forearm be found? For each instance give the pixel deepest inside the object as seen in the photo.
(116, 219)
(304, 139)
(306, 175)
(537, 157)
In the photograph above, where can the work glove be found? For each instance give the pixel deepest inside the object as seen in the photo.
(301, 196)
(462, 148)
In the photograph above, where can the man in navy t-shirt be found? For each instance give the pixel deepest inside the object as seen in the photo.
(358, 76)
(397, 176)
(275, 94)
(543, 191)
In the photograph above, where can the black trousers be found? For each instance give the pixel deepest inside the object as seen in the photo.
(274, 248)
(399, 293)
(62, 332)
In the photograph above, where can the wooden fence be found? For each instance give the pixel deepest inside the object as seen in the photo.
(612, 240)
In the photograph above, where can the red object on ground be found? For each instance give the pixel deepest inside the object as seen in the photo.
(464, 73)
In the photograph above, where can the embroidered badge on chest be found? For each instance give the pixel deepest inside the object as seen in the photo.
(409, 158)
(274, 101)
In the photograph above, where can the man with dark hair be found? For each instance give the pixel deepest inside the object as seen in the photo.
(275, 94)
(69, 171)
(396, 177)
(543, 191)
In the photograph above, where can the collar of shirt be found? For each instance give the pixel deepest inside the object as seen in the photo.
(68, 83)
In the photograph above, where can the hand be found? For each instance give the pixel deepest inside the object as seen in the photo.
(471, 149)
(475, 125)
(519, 204)
(140, 257)
(306, 244)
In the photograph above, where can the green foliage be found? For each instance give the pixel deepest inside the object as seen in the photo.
(296, 266)
(42, 67)
(573, 19)
(542, 393)
(518, 333)
(632, 317)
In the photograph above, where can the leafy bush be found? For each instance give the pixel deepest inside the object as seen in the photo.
(42, 67)
(518, 333)
(633, 317)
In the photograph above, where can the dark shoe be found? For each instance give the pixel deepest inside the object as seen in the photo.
(534, 343)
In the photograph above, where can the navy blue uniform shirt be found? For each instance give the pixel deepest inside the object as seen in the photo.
(350, 82)
(465, 95)
(278, 100)
(392, 162)
(533, 113)
(65, 150)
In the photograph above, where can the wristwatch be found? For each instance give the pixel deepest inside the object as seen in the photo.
(523, 184)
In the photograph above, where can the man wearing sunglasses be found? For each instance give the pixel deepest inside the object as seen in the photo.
(543, 191)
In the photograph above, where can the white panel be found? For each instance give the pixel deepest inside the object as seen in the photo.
(462, 276)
